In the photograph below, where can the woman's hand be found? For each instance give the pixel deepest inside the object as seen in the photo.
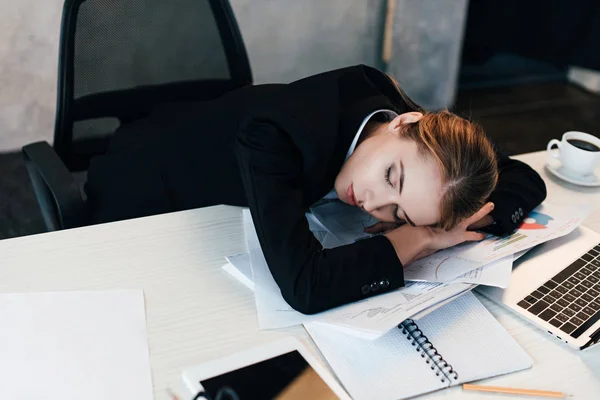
(412, 243)
(440, 239)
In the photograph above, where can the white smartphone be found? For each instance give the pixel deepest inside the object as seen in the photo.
(282, 370)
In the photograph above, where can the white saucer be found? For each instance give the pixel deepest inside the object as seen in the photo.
(555, 167)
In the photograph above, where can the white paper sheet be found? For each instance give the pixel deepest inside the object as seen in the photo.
(496, 273)
(373, 317)
(239, 267)
(74, 345)
(547, 222)
(272, 310)
(520, 254)
(441, 304)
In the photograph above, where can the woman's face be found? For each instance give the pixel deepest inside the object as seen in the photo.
(388, 177)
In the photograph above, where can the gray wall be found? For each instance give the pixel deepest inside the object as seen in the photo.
(291, 39)
(286, 40)
(28, 62)
(427, 43)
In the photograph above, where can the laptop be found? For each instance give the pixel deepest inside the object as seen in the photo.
(556, 286)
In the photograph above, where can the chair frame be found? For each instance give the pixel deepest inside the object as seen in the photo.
(59, 196)
(118, 103)
(51, 168)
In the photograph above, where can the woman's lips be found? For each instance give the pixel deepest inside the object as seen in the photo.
(350, 196)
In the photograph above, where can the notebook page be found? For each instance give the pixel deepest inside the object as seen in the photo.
(472, 341)
(386, 368)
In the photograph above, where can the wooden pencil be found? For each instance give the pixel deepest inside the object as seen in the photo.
(525, 392)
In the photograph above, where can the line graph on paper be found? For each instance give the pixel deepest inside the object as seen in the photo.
(440, 267)
(437, 269)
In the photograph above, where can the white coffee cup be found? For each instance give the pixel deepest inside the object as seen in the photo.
(578, 152)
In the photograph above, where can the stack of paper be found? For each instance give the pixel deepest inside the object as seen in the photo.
(369, 318)
(432, 281)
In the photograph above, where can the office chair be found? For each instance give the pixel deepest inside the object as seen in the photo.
(117, 62)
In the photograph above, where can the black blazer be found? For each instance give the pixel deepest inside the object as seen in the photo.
(276, 149)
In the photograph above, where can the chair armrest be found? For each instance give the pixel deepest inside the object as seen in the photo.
(55, 188)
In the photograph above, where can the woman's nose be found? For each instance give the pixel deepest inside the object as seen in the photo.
(377, 210)
(374, 201)
(368, 204)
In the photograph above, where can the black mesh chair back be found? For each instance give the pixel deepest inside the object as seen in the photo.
(119, 59)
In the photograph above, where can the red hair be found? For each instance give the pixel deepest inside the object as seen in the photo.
(465, 155)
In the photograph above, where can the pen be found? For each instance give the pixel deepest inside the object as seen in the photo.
(525, 392)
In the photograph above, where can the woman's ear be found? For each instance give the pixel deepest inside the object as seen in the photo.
(403, 119)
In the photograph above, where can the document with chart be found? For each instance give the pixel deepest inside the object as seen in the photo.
(545, 223)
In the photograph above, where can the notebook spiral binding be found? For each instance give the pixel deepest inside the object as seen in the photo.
(418, 340)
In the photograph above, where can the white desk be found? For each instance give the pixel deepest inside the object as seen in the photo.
(196, 312)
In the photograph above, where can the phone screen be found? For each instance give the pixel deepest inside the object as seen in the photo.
(285, 377)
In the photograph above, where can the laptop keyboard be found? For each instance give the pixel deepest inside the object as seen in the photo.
(570, 300)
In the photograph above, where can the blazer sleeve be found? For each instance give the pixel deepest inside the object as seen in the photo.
(519, 190)
(311, 279)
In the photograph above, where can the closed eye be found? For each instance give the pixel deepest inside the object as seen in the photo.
(388, 173)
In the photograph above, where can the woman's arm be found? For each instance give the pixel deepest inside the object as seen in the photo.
(519, 190)
(311, 279)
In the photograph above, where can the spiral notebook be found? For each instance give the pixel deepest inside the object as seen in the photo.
(460, 342)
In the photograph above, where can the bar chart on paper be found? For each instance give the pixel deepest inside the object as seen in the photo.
(501, 243)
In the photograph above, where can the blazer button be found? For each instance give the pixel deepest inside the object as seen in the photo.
(520, 211)
(375, 286)
(365, 289)
(384, 283)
